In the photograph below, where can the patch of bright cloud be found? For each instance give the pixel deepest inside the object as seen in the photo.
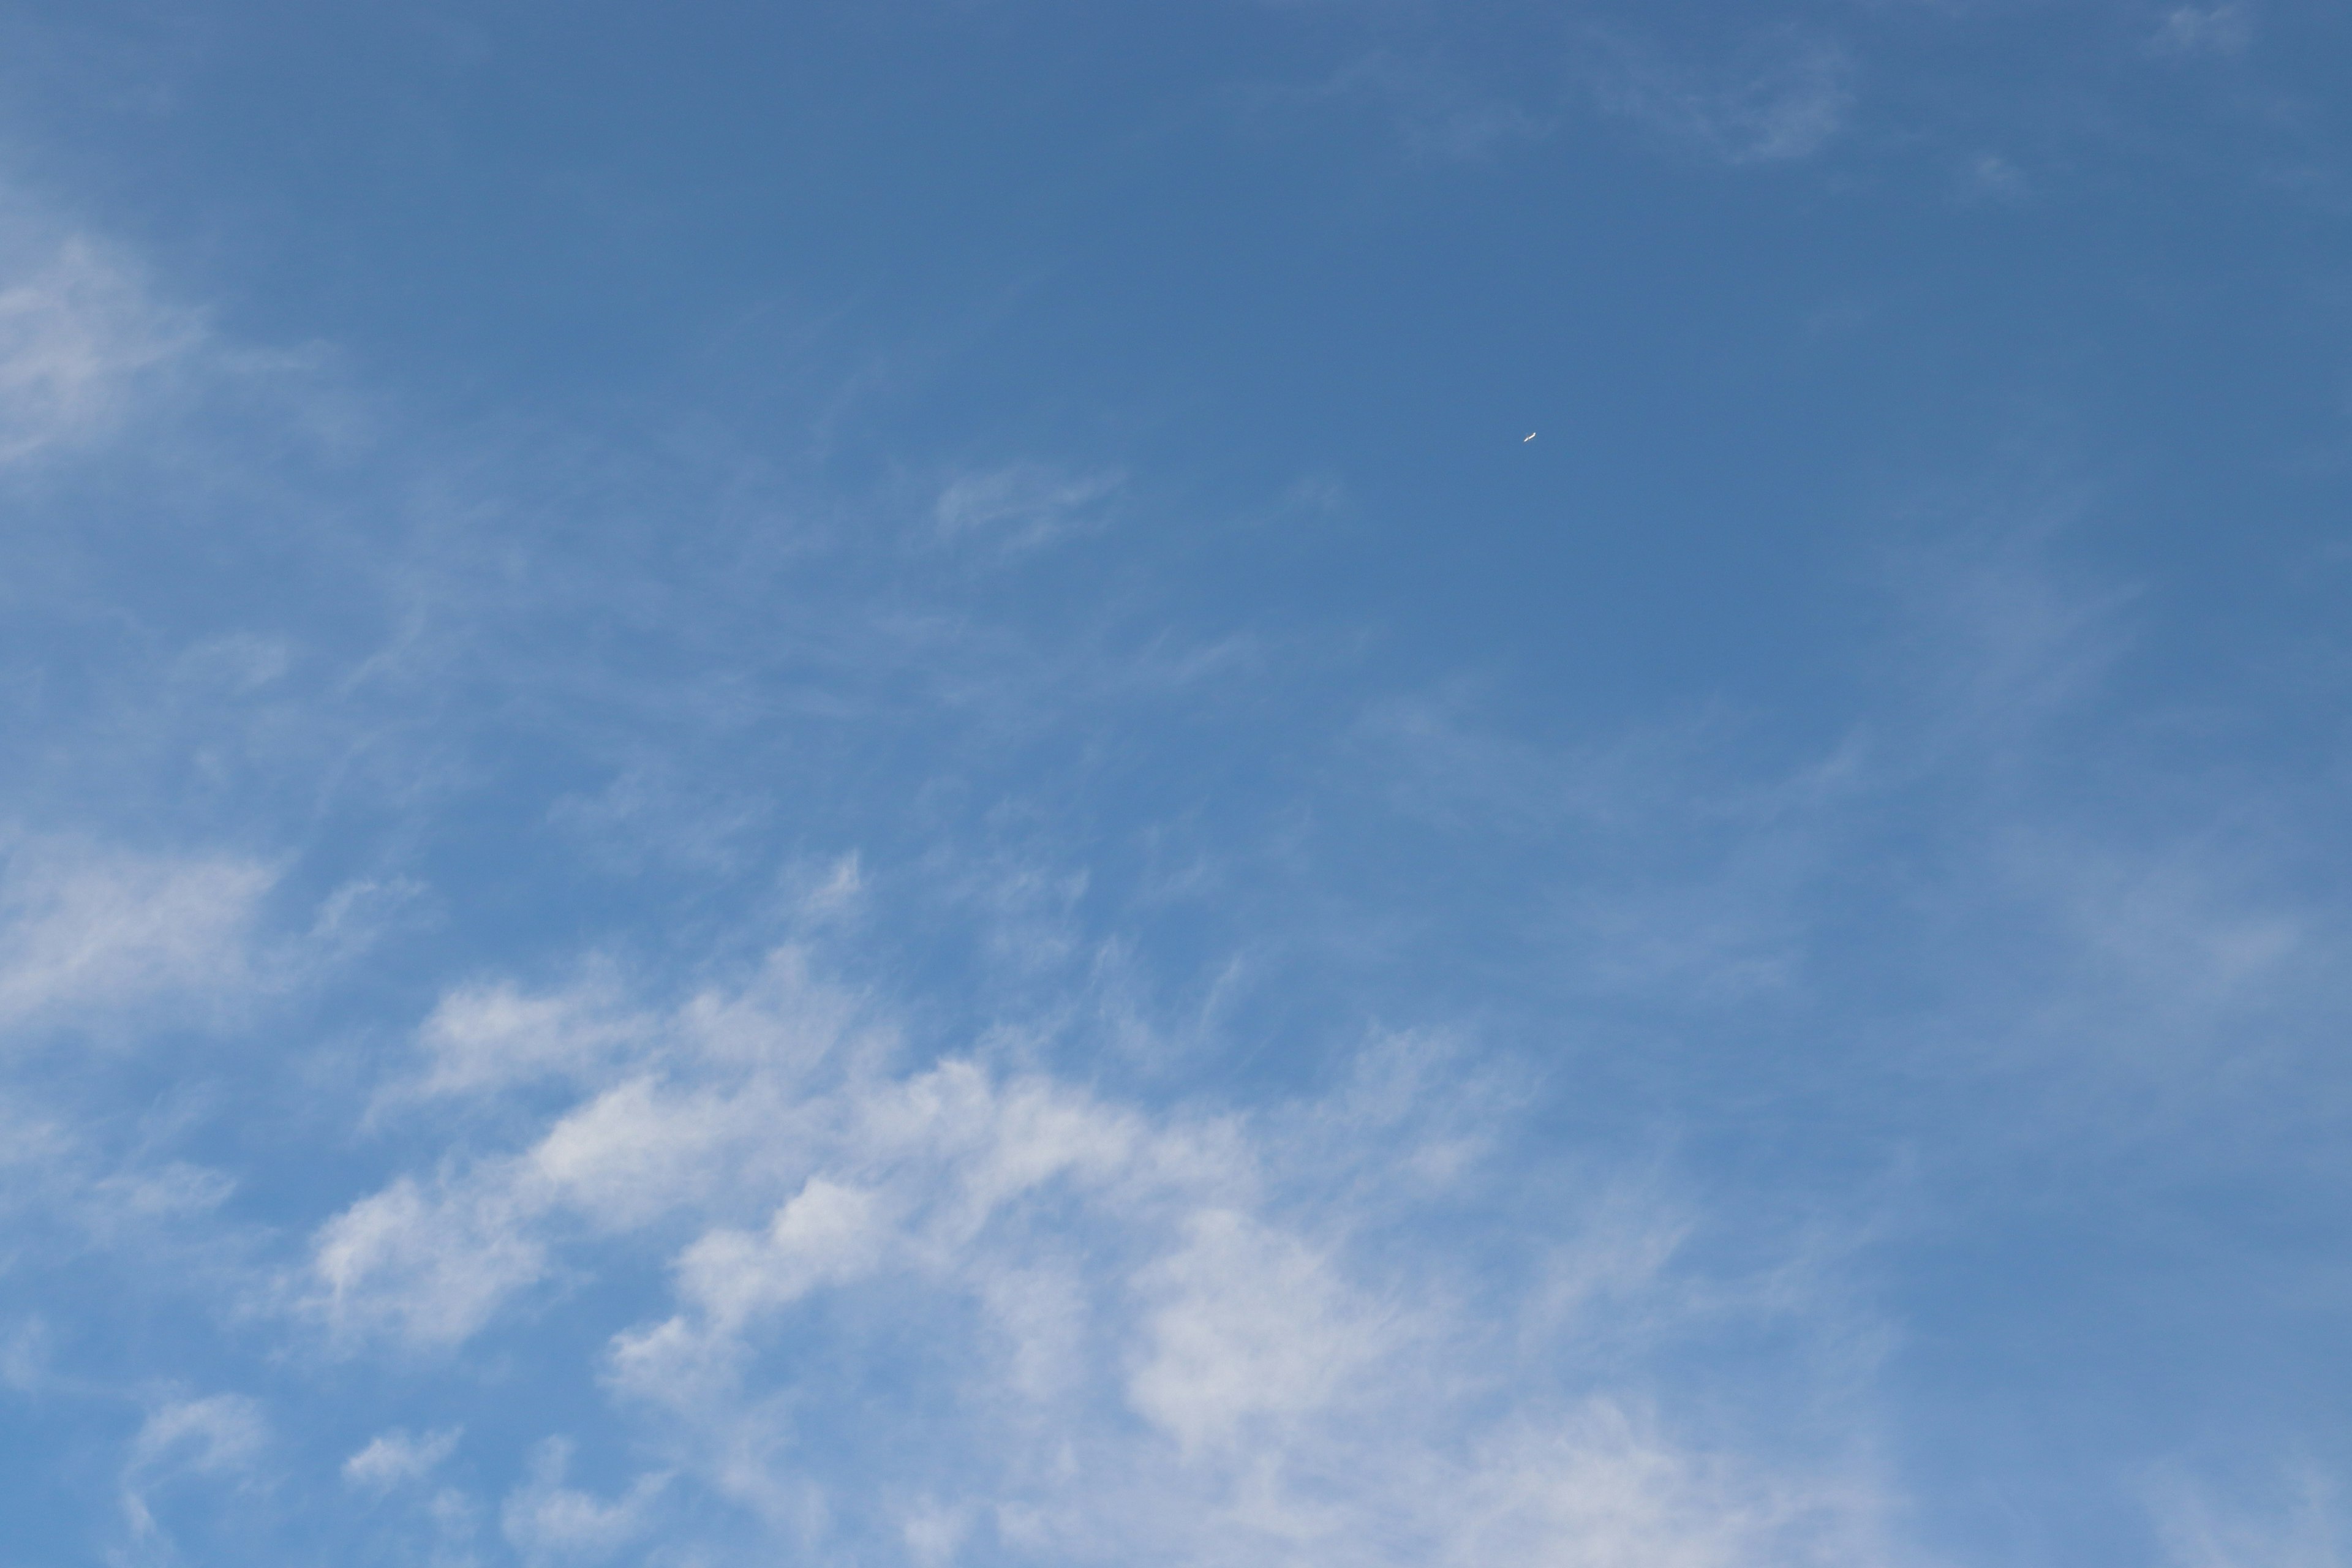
(78, 333)
(1022, 505)
(1174, 1296)
(426, 1262)
(399, 1456)
(88, 934)
(213, 1440)
(547, 1521)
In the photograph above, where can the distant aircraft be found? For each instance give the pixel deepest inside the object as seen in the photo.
(1528, 437)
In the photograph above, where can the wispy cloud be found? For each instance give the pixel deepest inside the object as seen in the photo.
(2299, 1523)
(1989, 177)
(1181, 1298)
(212, 1441)
(79, 333)
(1782, 99)
(547, 1521)
(398, 1458)
(1023, 505)
(89, 934)
(2223, 29)
(429, 1264)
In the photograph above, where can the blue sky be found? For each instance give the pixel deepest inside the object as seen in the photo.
(825, 783)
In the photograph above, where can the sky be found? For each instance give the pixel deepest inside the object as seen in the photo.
(829, 783)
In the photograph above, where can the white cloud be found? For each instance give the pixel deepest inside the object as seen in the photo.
(1134, 1344)
(89, 935)
(362, 913)
(1246, 1324)
(398, 1457)
(218, 1438)
(1604, 1488)
(547, 1521)
(683, 1110)
(25, 1355)
(2222, 29)
(427, 1264)
(934, 1533)
(826, 1235)
(488, 1036)
(638, 1149)
(173, 1191)
(2005, 638)
(1777, 104)
(2298, 1523)
(2164, 924)
(1734, 932)
(67, 1192)
(1043, 1312)
(240, 663)
(78, 332)
(213, 1436)
(1022, 505)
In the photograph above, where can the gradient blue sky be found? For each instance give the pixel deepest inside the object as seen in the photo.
(823, 784)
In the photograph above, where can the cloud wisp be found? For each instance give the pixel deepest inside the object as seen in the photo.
(79, 335)
(1039, 1323)
(1782, 102)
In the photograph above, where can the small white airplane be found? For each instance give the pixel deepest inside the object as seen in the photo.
(1528, 437)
